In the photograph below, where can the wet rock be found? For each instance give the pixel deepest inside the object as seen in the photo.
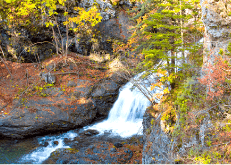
(126, 156)
(55, 142)
(107, 132)
(45, 144)
(104, 94)
(67, 140)
(90, 132)
(61, 161)
(118, 145)
(94, 150)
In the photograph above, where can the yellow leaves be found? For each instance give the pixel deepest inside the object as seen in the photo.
(166, 91)
(158, 84)
(65, 13)
(9, 1)
(49, 24)
(157, 96)
(139, 20)
(65, 23)
(161, 72)
(62, 2)
(90, 17)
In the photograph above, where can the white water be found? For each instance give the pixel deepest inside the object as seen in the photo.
(126, 116)
(125, 119)
(42, 153)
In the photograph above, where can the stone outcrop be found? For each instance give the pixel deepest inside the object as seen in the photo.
(26, 45)
(97, 150)
(60, 112)
(44, 116)
(157, 144)
(217, 20)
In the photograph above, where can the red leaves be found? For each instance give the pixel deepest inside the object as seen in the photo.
(215, 77)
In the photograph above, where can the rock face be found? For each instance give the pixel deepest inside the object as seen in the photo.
(217, 21)
(44, 116)
(156, 149)
(97, 150)
(103, 95)
(60, 112)
(28, 46)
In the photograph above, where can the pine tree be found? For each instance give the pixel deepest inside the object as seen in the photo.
(162, 34)
(168, 41)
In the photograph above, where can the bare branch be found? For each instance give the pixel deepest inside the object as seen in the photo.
(5, 63)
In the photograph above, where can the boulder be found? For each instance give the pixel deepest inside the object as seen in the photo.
(56, 143)
(59, 112)
(44, 116)
(104, 94)
(90, 132)
(217, 22)
(118, 145)
(156, 148)
(48, 77)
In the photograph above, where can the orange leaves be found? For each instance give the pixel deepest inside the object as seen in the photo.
(216, 77)
(158, 84)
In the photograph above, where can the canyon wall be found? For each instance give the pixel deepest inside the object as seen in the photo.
(217, 21)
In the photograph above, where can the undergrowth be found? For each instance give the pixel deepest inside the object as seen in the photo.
(201, 127)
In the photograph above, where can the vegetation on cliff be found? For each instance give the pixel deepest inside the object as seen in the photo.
(197, 106)
(165, 38)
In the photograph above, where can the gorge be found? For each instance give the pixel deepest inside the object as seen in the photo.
(74, 88)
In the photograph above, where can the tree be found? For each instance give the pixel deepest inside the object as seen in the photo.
(167, 43)
(33, 12)
(217, 76)
(163, 35)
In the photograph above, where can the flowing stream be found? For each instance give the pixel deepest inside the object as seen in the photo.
(125, 119)
(126, 116)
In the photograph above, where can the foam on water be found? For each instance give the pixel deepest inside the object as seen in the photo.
(125, 119)
(126, 116)
(42, 153)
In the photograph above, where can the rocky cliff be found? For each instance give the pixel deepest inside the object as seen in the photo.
(158, 144)
(23, 44)
(217, 21)
(28, 45)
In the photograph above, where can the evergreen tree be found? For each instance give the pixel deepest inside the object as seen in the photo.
(168, 41)
(163, 33)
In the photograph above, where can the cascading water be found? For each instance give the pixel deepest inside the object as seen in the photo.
(43, 152)
(125, 119)
(126, 116)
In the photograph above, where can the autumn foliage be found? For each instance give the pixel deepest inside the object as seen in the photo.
(217, 77)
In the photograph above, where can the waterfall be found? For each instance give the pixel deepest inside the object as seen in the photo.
(126, 116)
(125, 119)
